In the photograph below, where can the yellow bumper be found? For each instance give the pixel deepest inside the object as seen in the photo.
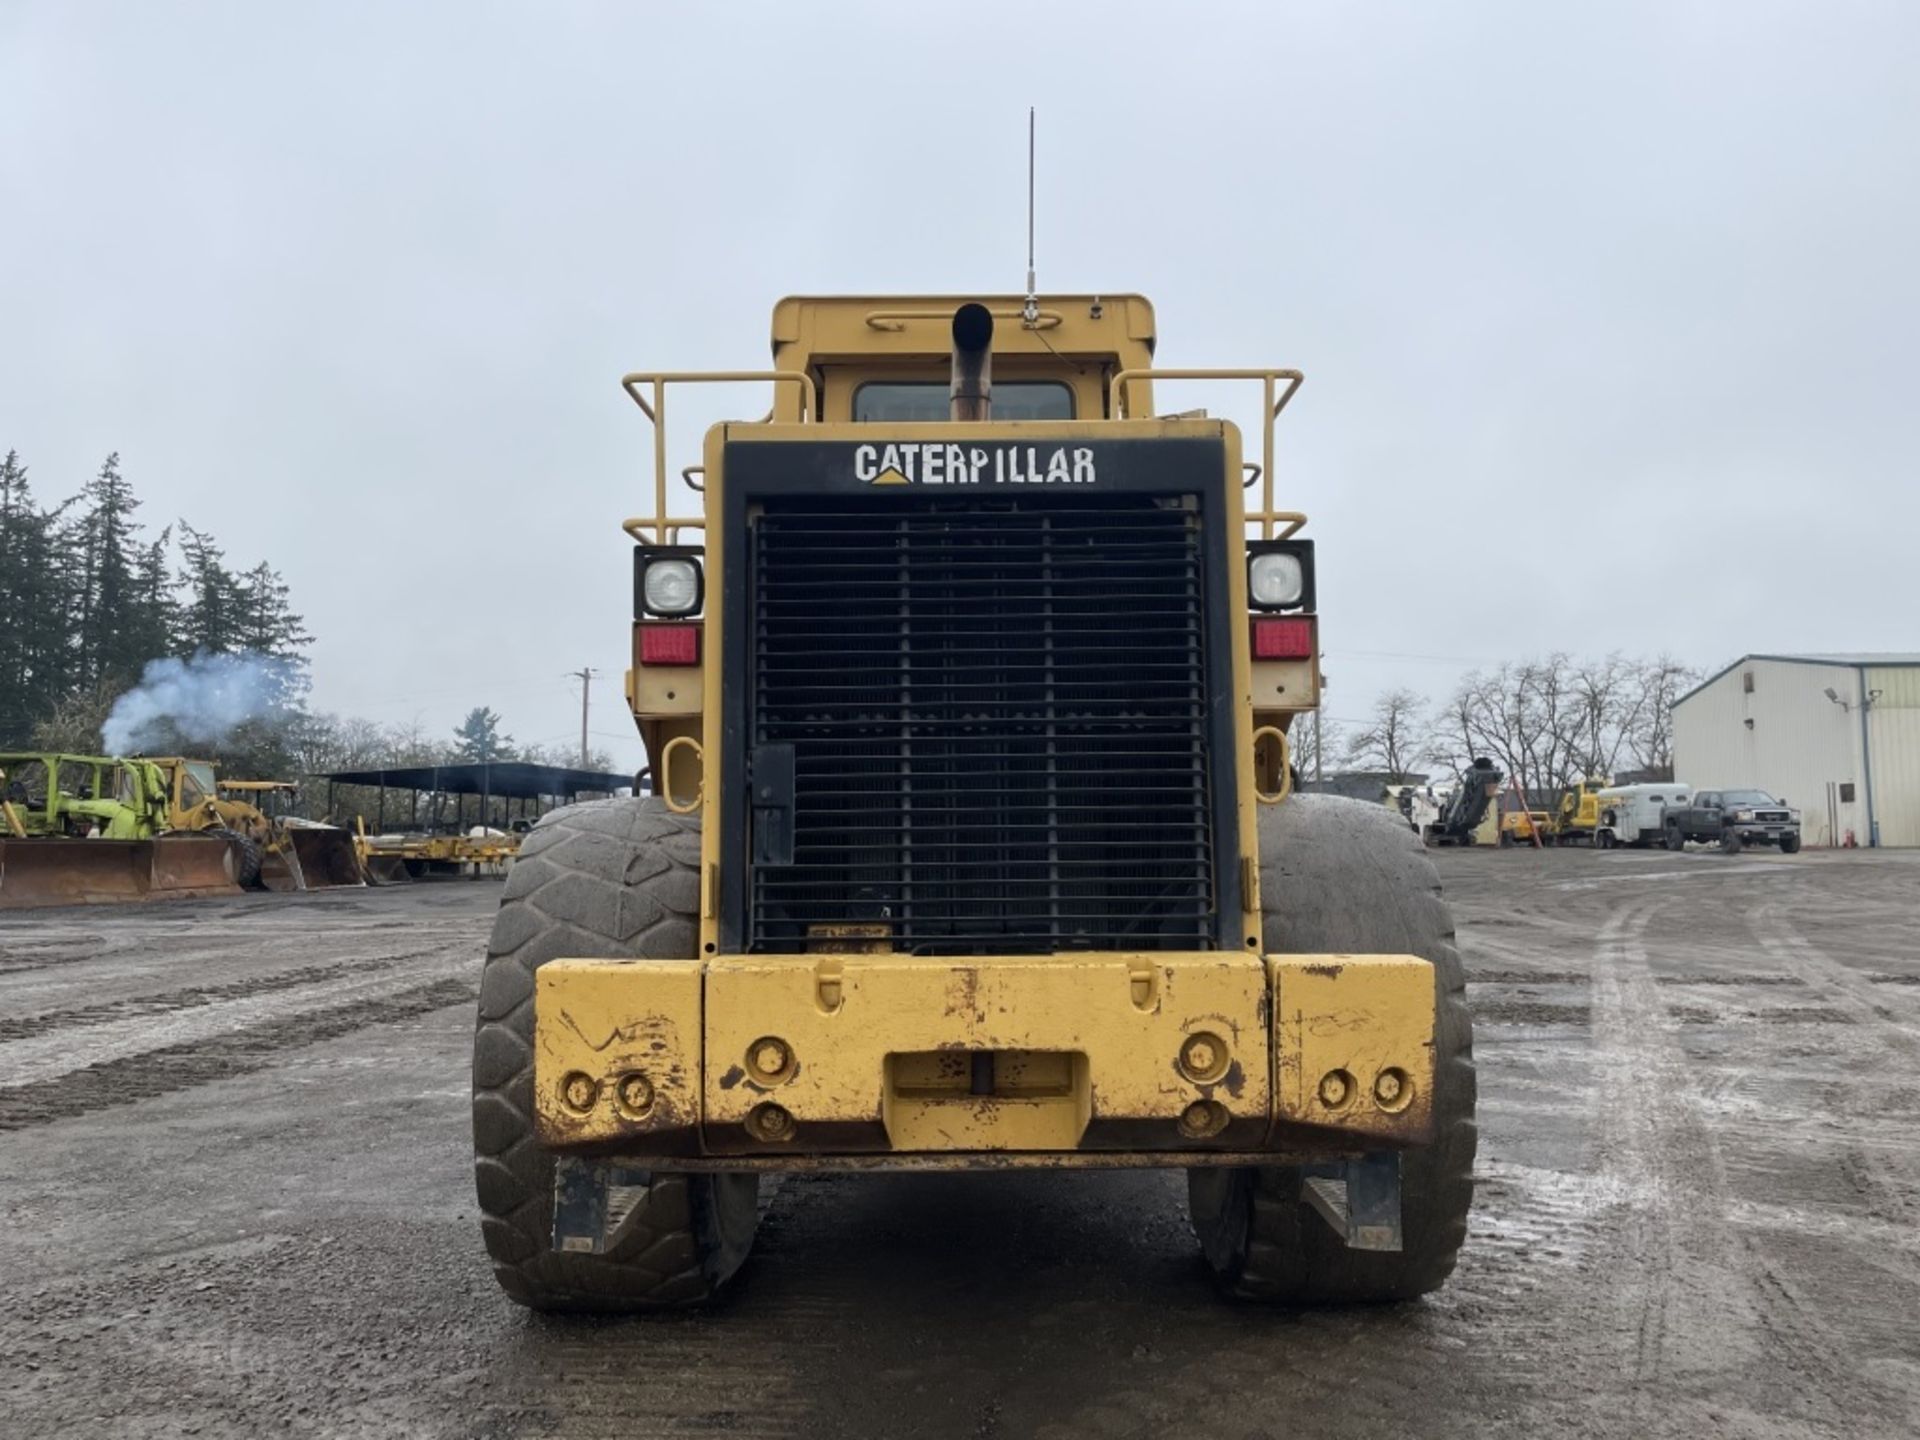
(875, 1055)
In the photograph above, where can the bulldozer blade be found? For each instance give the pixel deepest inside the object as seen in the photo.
(188, 865)
(43, 872)
(311, 857)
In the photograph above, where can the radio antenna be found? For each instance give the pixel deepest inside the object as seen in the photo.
(1030, 312)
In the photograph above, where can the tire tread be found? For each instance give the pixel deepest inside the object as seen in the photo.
(614, 879)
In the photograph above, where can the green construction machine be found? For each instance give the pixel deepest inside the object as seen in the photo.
(87, 828)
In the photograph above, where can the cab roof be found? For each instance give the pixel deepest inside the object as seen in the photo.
(812, 328)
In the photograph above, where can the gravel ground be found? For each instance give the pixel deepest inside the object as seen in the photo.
(235, 1186)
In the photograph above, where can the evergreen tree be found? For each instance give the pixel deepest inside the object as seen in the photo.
(36, 642)
(478, 737)
(86, 603)
(210, 619)
(268, 625)
(154, 615)
(114, 623)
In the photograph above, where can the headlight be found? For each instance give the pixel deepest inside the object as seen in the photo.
(671, 587)
(1743, 814)
(1276, 579)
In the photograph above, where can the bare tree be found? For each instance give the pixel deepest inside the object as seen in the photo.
(1316, 740)
(1554, 721)
(1661, 681)
(1395, 739)
(1608, 699)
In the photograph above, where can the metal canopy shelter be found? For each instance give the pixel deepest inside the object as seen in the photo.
(509, 780)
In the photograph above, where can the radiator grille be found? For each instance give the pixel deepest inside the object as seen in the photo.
(998, 716)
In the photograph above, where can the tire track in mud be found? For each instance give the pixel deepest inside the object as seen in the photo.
(1695, 1299)
(48, 1055)
(130, 1078)
(19, 957)
(144, 1006)
(1851, 991)
(1886, 1193)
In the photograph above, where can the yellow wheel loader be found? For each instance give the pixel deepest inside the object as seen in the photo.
(965, 680)
(272, 852)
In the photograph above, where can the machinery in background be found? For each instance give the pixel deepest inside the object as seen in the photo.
(1525, 827)
(397, 859)
(1578, 816)
(84, 829)
(272, 852)
(90, 829)
(1462, 812)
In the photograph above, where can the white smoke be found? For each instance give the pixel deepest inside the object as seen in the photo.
(201, 700)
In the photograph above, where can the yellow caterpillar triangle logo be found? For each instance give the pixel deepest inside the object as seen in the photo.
(890, 476)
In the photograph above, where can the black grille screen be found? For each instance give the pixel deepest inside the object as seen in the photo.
(997, 714)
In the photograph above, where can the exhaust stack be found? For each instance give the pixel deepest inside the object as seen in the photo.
(970, 390)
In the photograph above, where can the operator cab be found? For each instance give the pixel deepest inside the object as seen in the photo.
(873, 359)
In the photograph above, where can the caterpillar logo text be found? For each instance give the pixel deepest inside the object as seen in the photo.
(937, 463)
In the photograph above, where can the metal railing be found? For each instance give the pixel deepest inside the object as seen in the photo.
(662, 528)
(1275, 400)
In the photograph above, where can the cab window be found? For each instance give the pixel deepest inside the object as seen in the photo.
(915, 401)
(27, 784)
(196, 784)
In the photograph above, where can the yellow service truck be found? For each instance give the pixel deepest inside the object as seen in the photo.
(966, 687)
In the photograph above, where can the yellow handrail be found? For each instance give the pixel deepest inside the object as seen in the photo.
(897, 319)
(1270, 411)
(656, 412)
(660, 532)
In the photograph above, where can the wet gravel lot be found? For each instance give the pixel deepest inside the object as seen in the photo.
(235, 1187)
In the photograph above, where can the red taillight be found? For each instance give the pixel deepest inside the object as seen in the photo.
(669, 644)
(1282, 637)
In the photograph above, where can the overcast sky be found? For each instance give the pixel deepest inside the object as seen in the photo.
(1608, 317)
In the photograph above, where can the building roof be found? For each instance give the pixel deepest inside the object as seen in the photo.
(1851, 659)
(508, 779)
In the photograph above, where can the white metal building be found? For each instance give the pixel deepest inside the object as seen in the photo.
(1836, 736)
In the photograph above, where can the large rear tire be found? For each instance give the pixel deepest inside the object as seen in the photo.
(1340, 876)
(247, 857)
(617, 879)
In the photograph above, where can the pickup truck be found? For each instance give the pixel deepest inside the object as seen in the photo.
(1735, 819)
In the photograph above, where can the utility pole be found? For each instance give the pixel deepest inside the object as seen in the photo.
(585, 676)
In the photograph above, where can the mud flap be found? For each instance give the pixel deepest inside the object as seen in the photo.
(593, 1201)
(1359, 1198)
